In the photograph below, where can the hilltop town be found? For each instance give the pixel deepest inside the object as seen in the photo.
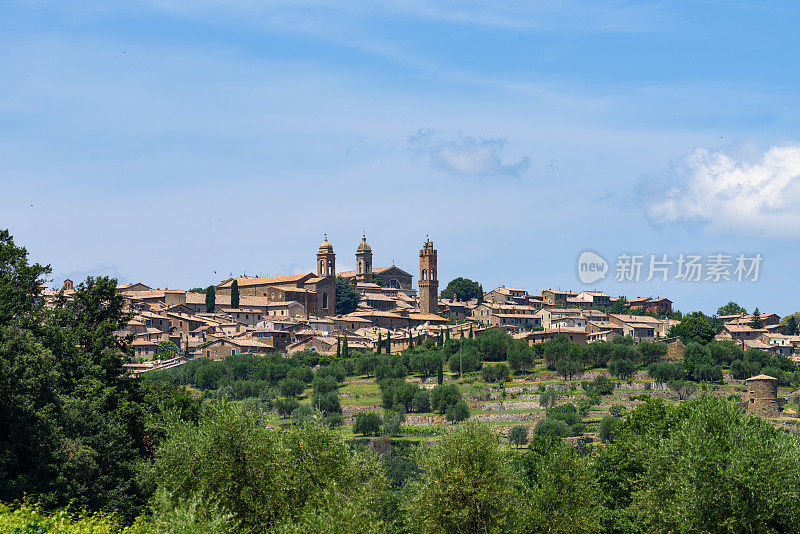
(292, 313)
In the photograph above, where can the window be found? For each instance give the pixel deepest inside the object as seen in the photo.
(433, 274)
(233, 352)
(325, 301)
(424, 274)
(208, 354)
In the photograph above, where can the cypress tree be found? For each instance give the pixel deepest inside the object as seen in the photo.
(211, 299)
(447, 334)
(440, 374)
(470, 331)
(344, 348)
(235, 294)
(380, 342)
(388, 343)
(338, 346)
(410, 340)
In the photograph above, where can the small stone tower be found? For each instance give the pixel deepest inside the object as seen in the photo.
(762, 396)
(364, 261)
(68, 284)
(326, 260)
(428, 279)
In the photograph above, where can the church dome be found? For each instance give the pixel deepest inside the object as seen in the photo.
(325, 247)
(363, 246)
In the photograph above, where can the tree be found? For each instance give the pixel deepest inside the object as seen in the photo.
(549, 397)
(493, 344)
(444, 396)
(286, 406)
(291, 387)
(347, 298)
(606, 428)
(683, 388)
(235, 294)
(168, 349)
(421, 402)
(324, 384)
(367, 424)
(463, 289)
(328, 403)
(663, 372)
(695, 328)
(695, 354)
(568, 368)
(466, 361)
(211, 299)
(519, 355)
(250, 471)
(756, 322)
(455, 413)
(731, 308)
(495, 373)
(623, 369)
(440, 373)
(379, 345)
(467, 484)
(790, 327)
(345, 350)
(562, 488)
(518, 435)
(708, 473)
(392, 423)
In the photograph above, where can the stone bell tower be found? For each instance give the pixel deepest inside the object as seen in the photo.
(364, 261)
(326, 260)
(428, 279)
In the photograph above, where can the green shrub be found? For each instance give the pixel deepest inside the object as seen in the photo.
(607, 427)
(518, 435)
(367, 424)
(455, 413)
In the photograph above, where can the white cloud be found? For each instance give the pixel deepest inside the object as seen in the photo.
(465, 155)
(724, 195)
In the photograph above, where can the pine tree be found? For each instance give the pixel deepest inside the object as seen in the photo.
(756, 322)
(235, 294)
(380, 343)
(211, 299)
(790, 329)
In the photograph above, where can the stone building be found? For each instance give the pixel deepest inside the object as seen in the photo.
(317, 294)
(762, 396)
(428, 279)
(392, 277)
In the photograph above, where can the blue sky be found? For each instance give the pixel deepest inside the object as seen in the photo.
(178, 142)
